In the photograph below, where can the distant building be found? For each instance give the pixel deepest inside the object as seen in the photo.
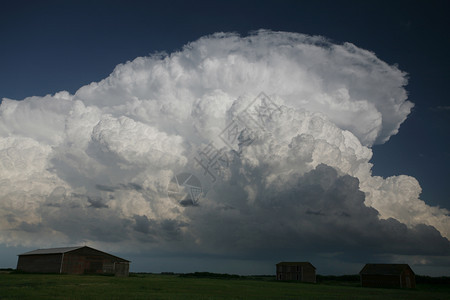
(298, 271)
(72, 260)
(387, 275)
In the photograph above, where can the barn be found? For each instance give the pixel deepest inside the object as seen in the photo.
(298, 271)
(72, 260)
(387, 275)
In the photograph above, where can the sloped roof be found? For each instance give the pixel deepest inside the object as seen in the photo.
(65, 250)
(51, 250)
(295, 263)
(384, 269)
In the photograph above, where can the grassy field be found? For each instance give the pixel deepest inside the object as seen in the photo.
(37, 286)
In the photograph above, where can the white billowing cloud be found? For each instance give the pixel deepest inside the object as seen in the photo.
(25, 184)
(95, 166)
(39, 118)
(341, 81)
(398, 197)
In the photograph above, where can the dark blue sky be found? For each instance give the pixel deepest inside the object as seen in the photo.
(48, 46)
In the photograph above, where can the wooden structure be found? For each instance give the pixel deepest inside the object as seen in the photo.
(72, 260)
(298, 271)
(387, 275)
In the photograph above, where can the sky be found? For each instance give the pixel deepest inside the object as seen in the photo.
(107, 105)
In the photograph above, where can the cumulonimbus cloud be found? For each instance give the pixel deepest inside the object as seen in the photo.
(96, 165)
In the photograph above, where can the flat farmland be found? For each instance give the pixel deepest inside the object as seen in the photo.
(149, 286)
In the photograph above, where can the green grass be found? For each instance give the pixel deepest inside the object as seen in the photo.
(38, 286)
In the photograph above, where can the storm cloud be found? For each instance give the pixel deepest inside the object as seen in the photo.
(96, 166)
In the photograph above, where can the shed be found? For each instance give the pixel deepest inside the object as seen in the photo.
(298, 271)
(387, 275)
(72, 260)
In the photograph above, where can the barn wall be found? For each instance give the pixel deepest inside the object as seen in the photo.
(42, 263)
(408, 279)
(122, 269)
(285, 272)
(309, 274)
(380, 280)
(89, 261)
(73, 264)
(302, 273)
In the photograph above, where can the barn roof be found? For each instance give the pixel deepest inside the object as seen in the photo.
(65, 250)
(295, 263)
(384, 269)
(52, 250)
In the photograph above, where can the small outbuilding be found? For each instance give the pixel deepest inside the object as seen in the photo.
(387, 275)
(298, 271)
(72, 260)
